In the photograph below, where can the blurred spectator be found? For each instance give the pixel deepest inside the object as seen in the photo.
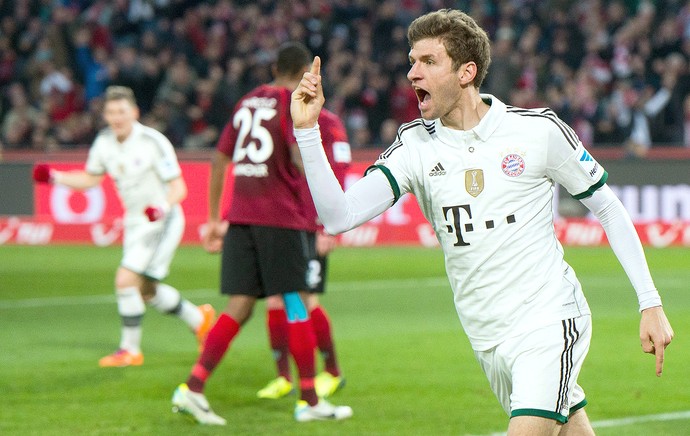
(91, 64)
(388, 132)
(612, 69)
(403, 101)
(21, 118)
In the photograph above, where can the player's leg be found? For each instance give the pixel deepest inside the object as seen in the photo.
(578, 425)
(533, 426)
(188, 397)
(330, 380)
(225, 329)
(283, 260)
(534, 376)
(168, 300)
(239, 280)
(165, 298)
(131, 308)
(277, 327)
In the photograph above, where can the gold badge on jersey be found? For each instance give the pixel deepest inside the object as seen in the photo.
(474, 182)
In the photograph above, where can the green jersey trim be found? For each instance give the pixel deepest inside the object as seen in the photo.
(578, 406)
(590, 191)
(541, 413)
(386, 172)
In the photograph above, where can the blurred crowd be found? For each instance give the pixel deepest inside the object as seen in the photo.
(616, 71)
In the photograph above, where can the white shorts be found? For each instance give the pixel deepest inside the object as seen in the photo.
(149, 247)
(535, 374)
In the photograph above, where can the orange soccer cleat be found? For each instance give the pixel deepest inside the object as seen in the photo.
(121, 358)
(209, 317)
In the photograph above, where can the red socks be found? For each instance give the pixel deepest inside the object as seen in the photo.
(324, 340)
(217, 342)
(278, 336)
(301, 342)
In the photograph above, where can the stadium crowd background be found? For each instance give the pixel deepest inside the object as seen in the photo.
(616, 71)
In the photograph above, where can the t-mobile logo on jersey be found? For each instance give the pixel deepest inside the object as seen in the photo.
(458, 224)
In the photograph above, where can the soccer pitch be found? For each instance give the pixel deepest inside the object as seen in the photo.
(409, 367)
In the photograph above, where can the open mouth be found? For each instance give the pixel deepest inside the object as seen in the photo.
(423, 96)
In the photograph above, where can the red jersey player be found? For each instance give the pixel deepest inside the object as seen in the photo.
(320, 244)
(264, 249)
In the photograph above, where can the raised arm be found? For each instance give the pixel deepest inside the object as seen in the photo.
(339, 211)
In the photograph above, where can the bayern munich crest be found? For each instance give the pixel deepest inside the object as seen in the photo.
(513, 165)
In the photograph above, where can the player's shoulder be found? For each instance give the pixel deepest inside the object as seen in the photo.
(415, 133)
(152, 133)
(541, 115)
(327, 115)
(328, 119)
(267, 91)
(417, 130)
(264, 97)
(542, 121)
(155, 138)
(104, 138)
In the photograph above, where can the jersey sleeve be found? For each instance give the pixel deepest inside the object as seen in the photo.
(167, 166)
(94, 161)
(394, 163)
(569, 163)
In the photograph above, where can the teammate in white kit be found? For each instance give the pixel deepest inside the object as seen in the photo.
(144, 167)
(483, 174)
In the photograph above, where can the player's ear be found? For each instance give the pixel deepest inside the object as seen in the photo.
(467, 72)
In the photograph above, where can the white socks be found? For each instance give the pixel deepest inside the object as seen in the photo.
(169, 300)
(131, 308)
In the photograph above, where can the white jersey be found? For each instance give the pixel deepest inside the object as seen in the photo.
(140, 166)
(488, 194)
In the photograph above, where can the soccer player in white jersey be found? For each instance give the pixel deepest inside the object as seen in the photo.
(483, 174)
(144, 167)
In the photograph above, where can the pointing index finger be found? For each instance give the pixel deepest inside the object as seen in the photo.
(659, 360)
(316, 66)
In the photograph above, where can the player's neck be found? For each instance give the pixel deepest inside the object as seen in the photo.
(286, 82)
(467, 113)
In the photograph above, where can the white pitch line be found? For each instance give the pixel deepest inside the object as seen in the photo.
(370, 285)
(672, 416)
(620, 422)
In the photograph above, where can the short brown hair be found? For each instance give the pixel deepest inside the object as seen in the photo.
(120, 93)
(462, 37)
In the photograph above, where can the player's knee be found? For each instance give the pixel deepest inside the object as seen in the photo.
(125, 278)
(148, 289)
(274, 302)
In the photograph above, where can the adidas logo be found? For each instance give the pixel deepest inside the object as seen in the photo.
(586, 157)
(438, 170)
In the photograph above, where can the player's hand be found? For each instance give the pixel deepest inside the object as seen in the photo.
(655, 334)
(325, 243)
(212, 236)
(307, 98)
(155, 213)
(43, 174)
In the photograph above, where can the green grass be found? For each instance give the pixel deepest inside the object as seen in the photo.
(409, 367)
